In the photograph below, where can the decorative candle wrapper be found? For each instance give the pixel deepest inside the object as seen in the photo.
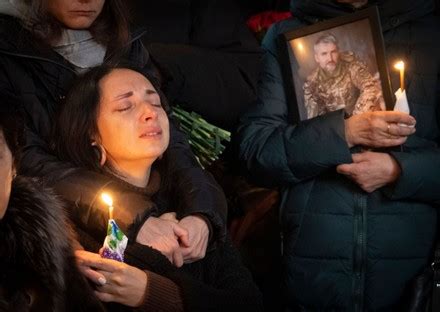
(115, 242)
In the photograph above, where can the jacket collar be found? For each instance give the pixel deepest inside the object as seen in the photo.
(392, 12)
(18, 41)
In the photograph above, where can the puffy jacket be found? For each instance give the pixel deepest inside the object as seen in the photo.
(39, 79)
(345, 249)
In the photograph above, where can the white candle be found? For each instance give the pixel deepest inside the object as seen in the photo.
(109, 201)
(401, 67)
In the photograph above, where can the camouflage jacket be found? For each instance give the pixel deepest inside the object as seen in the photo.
(351, 87)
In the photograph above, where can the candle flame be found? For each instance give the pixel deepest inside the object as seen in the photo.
(399, 65)
(107, 199)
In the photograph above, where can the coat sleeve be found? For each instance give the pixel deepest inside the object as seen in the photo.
(199, 191)
(420, 176)
(420, 163)
(275, 151)
(196, 188)
(420, 167)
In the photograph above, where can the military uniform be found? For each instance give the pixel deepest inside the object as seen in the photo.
(350, 86)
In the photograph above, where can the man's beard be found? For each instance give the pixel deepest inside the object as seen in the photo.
(330, 67)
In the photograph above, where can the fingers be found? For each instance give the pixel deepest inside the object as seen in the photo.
(169, 216)
(177, 258)
(182, 235)
(94, 276)
(397, 117)
(345, 169)
(94, 260)
(104, 297)
(400, 129)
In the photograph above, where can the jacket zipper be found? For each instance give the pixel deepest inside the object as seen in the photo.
(360, 250)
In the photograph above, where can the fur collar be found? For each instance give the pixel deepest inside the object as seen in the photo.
(35, 241)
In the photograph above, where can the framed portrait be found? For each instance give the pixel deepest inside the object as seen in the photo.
(336, 64)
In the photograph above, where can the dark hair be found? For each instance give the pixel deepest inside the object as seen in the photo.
(111, 28)
(77, 120)
(11, 124)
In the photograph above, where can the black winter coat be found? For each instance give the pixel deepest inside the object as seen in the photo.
(39, 78)
(36, 257)
(346, 249)
(218, 282)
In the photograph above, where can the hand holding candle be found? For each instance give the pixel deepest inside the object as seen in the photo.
(115, 242)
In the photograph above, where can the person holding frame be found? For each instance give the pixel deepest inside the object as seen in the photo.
(360, 192)
(44, 45)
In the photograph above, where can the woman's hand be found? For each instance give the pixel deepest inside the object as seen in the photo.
(379, 129)
(198, 236)
(124, 284)
(165, 235)
(371, 170)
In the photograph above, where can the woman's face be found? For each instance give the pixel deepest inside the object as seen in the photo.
(75, 14)
(133, 127)
(7, 171)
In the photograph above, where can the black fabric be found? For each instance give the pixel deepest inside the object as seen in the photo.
(209, 57)
(39, 79)
(36, 255)
(218, 282)
(392, 12)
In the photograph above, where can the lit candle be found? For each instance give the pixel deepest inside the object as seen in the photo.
(109, 201)
(401, 67)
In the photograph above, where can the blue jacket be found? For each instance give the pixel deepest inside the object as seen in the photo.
(345, 249)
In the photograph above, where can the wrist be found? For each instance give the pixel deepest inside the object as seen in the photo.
(142, 288)
(395, 169)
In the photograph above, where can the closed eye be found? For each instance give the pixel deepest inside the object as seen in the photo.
(124, 108)
(155, 99)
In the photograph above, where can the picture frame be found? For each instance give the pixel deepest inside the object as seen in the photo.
(334, 64)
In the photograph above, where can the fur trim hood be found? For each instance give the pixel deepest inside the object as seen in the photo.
(36, 247)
